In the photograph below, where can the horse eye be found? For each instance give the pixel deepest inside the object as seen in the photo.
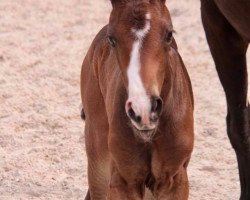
(169, 37)
(111, 41)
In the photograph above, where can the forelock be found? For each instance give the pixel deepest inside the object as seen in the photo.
(139, 9)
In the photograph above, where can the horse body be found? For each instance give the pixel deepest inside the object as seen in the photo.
(237, 14)
(227, 27)
(125, 155)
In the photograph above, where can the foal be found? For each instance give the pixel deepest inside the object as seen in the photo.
(138, 107)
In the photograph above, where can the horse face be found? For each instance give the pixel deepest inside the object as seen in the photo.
(140, 33)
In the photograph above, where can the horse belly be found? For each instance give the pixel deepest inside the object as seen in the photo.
(238, 15)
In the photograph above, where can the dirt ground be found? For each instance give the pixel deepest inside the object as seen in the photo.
(42, 44)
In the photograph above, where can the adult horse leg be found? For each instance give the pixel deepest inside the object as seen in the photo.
(229, 53)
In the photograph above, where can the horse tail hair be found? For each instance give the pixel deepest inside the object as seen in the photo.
(82, 114)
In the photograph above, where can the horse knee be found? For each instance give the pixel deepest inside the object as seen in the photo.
(176, 187)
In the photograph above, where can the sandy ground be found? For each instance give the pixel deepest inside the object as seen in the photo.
(42, 44)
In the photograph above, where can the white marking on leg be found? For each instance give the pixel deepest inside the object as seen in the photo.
(137, 93)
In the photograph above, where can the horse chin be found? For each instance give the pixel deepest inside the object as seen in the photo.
(145, 136)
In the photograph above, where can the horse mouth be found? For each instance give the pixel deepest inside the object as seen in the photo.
(146, 135)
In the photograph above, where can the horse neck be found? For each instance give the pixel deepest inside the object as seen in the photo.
(176, 90)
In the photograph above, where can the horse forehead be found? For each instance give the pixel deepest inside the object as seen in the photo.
(142, 31)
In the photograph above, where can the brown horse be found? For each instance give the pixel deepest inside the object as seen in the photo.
(227, 27)
(138, 107)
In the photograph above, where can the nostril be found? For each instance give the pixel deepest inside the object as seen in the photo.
(133, 116)
(131, 113)
(156, 104)
(154, 118)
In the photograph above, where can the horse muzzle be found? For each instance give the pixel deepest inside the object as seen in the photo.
(144, 115)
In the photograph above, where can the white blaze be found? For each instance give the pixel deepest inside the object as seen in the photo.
(137, 93)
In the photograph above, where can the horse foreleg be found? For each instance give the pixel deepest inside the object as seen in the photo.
(176, 188)
(98, 164)
(229, 53)
(120, 189)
